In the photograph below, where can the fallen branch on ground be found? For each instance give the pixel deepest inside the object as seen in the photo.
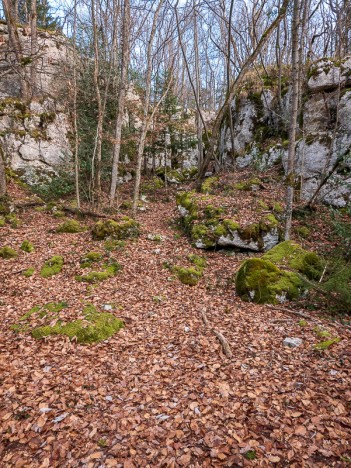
(225, 345)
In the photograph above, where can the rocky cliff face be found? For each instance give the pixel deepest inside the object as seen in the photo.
(324, 146)
(34, 137)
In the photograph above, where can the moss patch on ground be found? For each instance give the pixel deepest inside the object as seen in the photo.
(52, 267)
(27, 246)
(109, 270)
(123, 229)
(7, 252)
(29, 272)
(94, 326)
(71, 227)
(190, 276)
(263, 282)
(89, 258)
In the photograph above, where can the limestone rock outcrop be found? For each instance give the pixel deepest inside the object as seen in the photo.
(323, 149)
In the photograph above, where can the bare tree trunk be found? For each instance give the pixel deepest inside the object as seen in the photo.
(146, 120)
(2, 175)
(121, 98)
(295, 66)
(75, 111)
(96, 160)
(198, 86)
(231, 127)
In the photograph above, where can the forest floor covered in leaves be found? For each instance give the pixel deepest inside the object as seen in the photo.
(160, 392)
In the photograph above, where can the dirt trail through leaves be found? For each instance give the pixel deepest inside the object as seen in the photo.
(160, 392)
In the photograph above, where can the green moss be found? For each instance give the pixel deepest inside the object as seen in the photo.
(155, 183)
(247, 184)
(124, 229)
(114, 245)
(302, 323)
(89, 258)
(2, 221)
(94, 327)
(197, 260)
(58, 214)
(231, 225)
(110, 270)
(291, 255)
(278, 208)
(29, 272)
(303, 231)
(211, 211)
(250, 455)
(201, 233)
(263, 282)
(27, 246)
(52, 267)
(263, 205)
(324, 345)
(189, 276)
(7, 252)
(13, 221)
(209, 185)
(71, 227)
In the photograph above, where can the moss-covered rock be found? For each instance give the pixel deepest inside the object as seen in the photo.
(2, 221)
(155, 183)
(52, 267)
(190, 276)
(263, 282)
(5, 205)
(210, 226)
(70, 226)
(95, 326)
(291, 255)
(7, 252)
(27, 246)
(109, 270)
(123, 229)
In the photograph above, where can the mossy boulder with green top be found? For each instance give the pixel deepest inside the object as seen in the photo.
(278, 276)
(210, 226)
(119, 230)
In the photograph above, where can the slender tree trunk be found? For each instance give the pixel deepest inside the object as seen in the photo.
(198, 87)
(231, 127)
(121, 98)
(75, 111)
(2, 175)
(290, 174)
(146, 120)
(96, 160)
